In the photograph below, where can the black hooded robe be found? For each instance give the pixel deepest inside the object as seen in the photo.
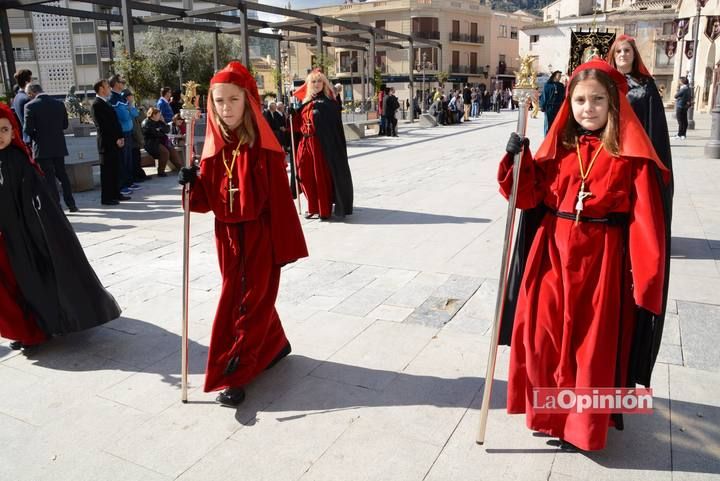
(328, 125)
(55, 278)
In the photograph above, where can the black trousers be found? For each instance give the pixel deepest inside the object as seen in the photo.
(681, 114)
(54, 170)
(110, 175)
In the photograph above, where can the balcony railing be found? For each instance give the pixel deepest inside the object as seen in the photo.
(105, 52)
(466, 37)
(427, 35)
(24, 55)
(471, 69)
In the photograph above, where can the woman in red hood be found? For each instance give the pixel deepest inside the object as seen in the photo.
(595, 258)
(242, 180)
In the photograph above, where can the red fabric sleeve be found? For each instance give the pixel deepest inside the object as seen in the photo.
(198, 197)
(647, 239)
(288, 241)
(528, 195)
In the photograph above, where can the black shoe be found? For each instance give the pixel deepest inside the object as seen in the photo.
(74, 209)
(16, 345)
(110, 202)
(124, 197)
(283, 353)
(231, 397)
(162, 174)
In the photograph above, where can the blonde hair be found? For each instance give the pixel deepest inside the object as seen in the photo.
(327, 87)
(152, 111)
(246, 130)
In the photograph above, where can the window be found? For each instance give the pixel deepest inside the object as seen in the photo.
(503, 31)
(473, 61)
(348, 61)
(380, 24)
(615, 3)
(456, 26)
(83, 27)
(86, 59)
(473, 31)
(501, 58)
(381, 61)
(455, 60)
(667, 28)
(631, 29)
(426, 27)
(534, 38)
(513, 33)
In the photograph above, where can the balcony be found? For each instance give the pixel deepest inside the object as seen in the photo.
(105, 52)
(19, 23)
(429, 35)
(467, 38)
(24, 55)
(468, 69)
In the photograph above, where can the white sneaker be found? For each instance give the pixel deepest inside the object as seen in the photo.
(682, 137)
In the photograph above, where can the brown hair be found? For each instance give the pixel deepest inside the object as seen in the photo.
(611, 134)
(177, 117)
(638, 70)
(245, 132)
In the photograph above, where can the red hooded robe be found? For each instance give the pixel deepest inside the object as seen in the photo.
(259, 236)
(575, 312)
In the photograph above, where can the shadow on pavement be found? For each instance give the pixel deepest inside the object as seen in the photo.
(374, 216)
(126, 344)
(692, 248)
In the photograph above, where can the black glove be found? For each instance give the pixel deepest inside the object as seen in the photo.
(188, 175)
(515, 144)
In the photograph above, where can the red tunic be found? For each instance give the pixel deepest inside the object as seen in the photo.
(315, 176)
(576, 304)
(254, 241)
(15, 323)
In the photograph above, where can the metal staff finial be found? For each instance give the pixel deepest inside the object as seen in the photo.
(524, 92)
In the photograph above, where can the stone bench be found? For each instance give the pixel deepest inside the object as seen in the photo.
(358, 130)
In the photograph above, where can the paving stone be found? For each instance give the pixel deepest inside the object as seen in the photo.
(700, 331)
(374, 357)
(390, 313)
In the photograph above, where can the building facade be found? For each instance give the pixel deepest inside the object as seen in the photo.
(479, 45)
(650, 22)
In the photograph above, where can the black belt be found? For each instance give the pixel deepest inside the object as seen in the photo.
(612, 219)
(307, 136)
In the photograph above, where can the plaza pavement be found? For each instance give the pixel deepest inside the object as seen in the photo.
(389, 321)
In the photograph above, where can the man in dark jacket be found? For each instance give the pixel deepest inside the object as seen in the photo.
(389, 108)
(110, 140)
(45, 122)
(683, 101)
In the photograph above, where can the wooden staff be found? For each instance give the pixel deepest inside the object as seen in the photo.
(189, 112)
(523, 92)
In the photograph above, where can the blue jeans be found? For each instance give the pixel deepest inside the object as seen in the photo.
(474, 110)
(126, 161)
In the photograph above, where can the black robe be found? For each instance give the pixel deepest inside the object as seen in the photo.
(55, 278)
(647, 104)
(329, 130)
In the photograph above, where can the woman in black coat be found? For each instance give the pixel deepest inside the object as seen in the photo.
(155, 132)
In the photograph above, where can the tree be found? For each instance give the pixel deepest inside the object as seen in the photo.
(442, 77)
(139, 73)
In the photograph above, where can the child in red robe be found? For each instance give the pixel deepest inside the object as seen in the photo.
(322, 161)
(596, 258)
(242, 180)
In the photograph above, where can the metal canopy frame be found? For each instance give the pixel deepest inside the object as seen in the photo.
(302, 27)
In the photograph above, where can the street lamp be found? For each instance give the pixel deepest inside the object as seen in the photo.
(424, 63)
(696, 28)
